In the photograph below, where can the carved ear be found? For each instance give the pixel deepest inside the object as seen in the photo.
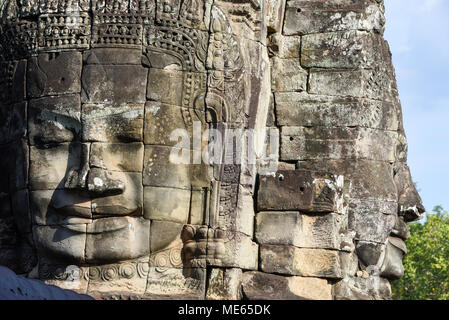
(216, 109)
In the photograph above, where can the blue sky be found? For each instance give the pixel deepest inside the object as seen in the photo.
(418, 34)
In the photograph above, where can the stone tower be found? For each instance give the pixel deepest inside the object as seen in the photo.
(294, 182)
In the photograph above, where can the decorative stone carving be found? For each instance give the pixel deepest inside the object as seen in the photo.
(64, 31)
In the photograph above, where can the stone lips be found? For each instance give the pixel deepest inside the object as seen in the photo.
(89, 92)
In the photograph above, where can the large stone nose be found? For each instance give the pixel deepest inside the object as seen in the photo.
(410, 203)
(76, 177)
(101, 183)
(97, 181)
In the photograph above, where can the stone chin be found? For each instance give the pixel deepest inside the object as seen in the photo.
(392, 267)
(105, 240)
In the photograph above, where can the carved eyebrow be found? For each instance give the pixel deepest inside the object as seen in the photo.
(68, 121)
(124, 112)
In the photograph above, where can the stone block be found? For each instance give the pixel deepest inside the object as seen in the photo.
(54, 74)
(320, 143)
(200, 176)
(123, 157)
(264, 286)
(287, 75)
(161, 120)
(305, 17)
(364, 179)
(54, 119)
(165, 86)
(299, 109)
(300, 230)
(112, 84)
(163, 233)
(104, 123)
(224, 284)
(377, 83)
(159, 171)
(167, 204)
(240, 252)
(289, 47)
(372, 220)
(286, 166)
(282, 227)
(347, 49)
(337, 82)
(290, 260)
(301, 190)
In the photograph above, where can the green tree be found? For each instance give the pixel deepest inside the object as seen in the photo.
(426, 266)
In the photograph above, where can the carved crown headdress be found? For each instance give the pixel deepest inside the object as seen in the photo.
(31, 26)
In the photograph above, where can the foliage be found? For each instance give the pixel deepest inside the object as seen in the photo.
(426, 266)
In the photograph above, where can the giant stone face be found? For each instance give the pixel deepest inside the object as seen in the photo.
(92, 93)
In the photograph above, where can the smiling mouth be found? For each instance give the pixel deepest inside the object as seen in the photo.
(96, 226)
(75, 211)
